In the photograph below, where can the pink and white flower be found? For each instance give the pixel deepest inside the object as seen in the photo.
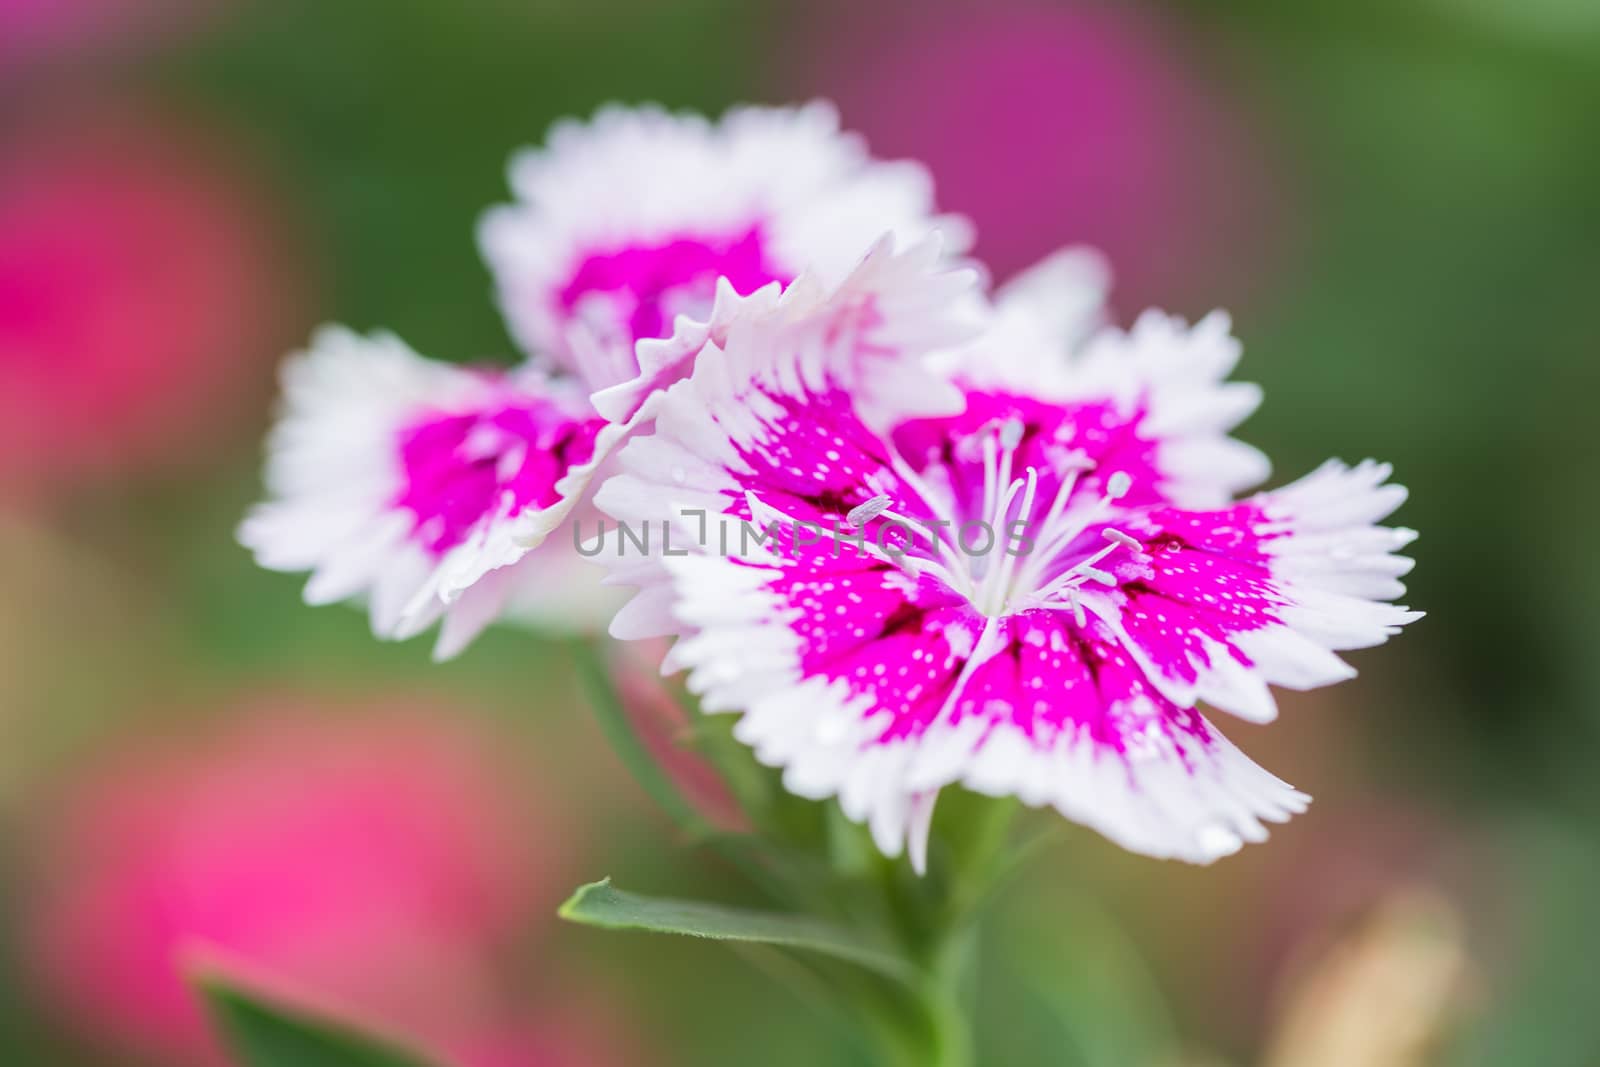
(628, 221)
(430, 491)
(1027, 598)
(423, 487)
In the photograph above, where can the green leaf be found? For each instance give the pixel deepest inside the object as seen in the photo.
(262, 1034)
(600, 904)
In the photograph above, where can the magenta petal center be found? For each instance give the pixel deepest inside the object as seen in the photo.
(646, 285)
(459, 468)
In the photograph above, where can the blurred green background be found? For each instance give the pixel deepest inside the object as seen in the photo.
(1397, 201)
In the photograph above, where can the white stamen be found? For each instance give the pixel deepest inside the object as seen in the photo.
(1095, 574)
(864, 513)
(947, 536)
(1080, 572)
(1130, 543)
(1011, 433)
(1070, 600)
(990, 474)
(1076, 463)
(996, 581)
(1067, 582)
(998, 588)
(952, 571)
(1005, 464)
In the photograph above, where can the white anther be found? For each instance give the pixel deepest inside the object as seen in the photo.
(1118, 537)
(1011, 432)
(1077, 608)
(864, 513)
(1096, 574)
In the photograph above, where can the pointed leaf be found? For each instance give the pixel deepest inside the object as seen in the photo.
(601, 904)
(262, 1034)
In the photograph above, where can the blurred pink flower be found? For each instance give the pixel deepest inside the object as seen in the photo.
(137, 281)
(36, 30)
(1049, 124)
(374, 861)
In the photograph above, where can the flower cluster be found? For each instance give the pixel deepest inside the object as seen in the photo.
(998, 542)
(425, 488)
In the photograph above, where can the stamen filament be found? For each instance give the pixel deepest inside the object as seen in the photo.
(1081, 571)
(994, 588)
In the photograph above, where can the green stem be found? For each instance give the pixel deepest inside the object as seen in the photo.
(920, 1019)
(947, 1005)
(929, 1023)
(984, 862)
(938, 1035)
(952, 1032)
(612, 716)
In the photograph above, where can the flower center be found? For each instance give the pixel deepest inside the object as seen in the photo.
(1008, 551)
(460, 468)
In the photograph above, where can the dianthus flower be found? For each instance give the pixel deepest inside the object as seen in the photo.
(1029, 597)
